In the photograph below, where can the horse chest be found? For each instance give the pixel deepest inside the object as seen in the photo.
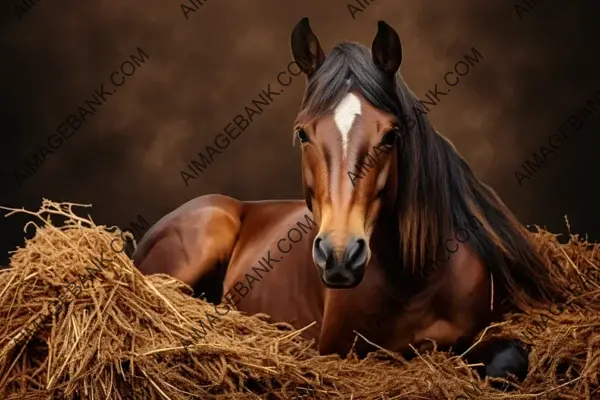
(287, 293)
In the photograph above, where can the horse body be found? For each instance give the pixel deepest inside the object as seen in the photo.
(206, 237)
(379, 232)
(253, 239)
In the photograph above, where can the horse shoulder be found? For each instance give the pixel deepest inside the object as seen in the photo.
(468, 271)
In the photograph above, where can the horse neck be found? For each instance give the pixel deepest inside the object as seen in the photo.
(385, 253)
(386, 257)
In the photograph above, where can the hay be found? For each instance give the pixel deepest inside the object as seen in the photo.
(121, 337)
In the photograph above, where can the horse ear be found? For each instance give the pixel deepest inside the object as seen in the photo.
(387, 49)
(306, 49)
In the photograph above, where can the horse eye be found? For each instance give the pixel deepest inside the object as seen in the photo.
(302, 136)
(389, 138)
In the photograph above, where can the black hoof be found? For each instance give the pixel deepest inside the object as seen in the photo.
(512, 359)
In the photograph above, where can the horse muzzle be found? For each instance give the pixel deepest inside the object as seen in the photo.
(341, 268)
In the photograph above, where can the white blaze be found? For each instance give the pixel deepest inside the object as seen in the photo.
(344, 115)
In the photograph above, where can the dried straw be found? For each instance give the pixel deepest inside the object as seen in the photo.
(121, 337)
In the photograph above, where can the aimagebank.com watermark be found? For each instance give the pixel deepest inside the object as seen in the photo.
(240, 122)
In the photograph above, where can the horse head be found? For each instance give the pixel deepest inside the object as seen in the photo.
(347, 126)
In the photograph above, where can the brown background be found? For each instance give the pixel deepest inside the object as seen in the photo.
(126, 159)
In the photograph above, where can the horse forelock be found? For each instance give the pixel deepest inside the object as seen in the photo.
(347, 68)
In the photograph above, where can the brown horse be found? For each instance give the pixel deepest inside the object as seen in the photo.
(377, 233)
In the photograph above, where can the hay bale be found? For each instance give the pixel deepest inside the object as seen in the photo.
(121, 335)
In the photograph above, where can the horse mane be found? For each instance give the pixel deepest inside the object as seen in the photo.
(428, 163)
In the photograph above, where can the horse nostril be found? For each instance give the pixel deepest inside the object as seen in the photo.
(356, 254)
(322, 253)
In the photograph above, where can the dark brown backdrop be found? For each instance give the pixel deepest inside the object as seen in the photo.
(126, 159)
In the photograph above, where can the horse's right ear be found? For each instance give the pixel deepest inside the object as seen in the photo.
(387, 49)
(306, 49)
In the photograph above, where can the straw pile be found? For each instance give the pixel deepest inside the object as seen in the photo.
(121, 337)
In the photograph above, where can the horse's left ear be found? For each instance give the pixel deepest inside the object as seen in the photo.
(387, 49)
(306, 49)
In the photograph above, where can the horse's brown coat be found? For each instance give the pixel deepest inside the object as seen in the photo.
(403, 207)
(196, 237)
